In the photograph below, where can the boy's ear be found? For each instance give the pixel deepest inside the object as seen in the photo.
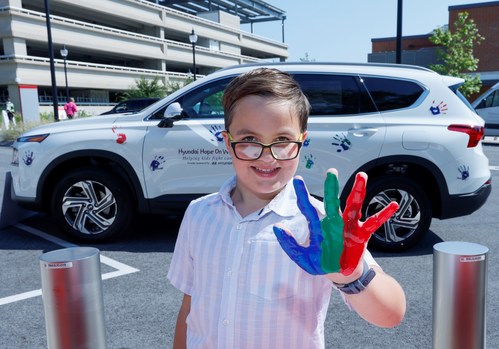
(226, 140)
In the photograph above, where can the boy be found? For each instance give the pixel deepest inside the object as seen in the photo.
(246, 281)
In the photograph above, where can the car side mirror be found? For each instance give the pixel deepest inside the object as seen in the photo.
(172, 113)
(173, 110)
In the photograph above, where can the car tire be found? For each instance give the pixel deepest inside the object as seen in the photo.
(411, 221)
(92, 205)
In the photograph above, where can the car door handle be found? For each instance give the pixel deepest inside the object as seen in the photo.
(362, 132)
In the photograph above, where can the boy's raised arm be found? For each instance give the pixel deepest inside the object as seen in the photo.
(337, 244)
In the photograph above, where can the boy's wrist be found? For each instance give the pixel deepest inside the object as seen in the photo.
(358, 285)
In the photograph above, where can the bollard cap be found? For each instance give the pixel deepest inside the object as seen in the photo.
(69, 254)
(460, 248)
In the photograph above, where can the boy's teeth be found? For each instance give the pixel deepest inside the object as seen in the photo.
(264, 170)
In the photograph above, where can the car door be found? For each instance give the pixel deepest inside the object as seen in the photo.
(488, 109)
(190, 156)
(344, 129)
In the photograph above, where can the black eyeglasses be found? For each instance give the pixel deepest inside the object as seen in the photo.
(250, 150)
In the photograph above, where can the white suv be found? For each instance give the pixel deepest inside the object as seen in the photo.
(407, 127)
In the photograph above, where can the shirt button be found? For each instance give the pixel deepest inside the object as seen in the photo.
(238, 227)
(225, 322)
(229, 273)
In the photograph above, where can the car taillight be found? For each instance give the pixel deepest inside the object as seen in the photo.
(474, 132)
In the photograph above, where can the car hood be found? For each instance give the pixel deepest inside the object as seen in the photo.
(93, 122)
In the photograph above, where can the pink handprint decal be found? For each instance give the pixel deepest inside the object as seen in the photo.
(120, 137)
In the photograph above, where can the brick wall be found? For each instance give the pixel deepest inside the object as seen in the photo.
(486, 17)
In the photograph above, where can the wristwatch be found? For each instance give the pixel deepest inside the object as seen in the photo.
(360, 284)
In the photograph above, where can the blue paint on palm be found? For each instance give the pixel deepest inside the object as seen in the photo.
(309, 257)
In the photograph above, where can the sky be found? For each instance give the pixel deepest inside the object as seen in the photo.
(341, 30)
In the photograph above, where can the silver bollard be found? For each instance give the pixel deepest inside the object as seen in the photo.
(459, 295)
(72, 298)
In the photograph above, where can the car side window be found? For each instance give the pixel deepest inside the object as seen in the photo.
(201, 103)
(121, 107)
(492, 100)
(391, 94)
(335, 94)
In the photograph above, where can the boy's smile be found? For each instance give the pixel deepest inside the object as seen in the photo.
(259, 119)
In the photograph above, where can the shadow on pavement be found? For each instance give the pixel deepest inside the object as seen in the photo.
(424, 247)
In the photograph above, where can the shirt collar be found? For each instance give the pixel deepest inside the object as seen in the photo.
(284, 204)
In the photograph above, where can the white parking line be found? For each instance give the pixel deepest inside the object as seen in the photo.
(121, 269)
(494, 168)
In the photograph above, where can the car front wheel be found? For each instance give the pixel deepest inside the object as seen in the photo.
(92, 205)
(411, 221)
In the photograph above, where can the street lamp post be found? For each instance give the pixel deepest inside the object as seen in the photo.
(193, 38)
(52, 64)
(64, 54)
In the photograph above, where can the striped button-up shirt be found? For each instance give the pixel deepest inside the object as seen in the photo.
(245, 291)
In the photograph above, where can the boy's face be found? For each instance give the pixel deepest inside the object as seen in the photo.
(259, 119)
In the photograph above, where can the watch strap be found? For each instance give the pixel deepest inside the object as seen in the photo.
(360, 284)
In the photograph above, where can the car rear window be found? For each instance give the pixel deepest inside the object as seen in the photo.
(335, 94)
(391, 94)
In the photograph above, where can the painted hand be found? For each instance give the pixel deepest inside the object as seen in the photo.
(337, 242)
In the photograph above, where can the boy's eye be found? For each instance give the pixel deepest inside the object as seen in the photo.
(255, 139)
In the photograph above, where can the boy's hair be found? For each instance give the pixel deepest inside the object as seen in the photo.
(274, 84)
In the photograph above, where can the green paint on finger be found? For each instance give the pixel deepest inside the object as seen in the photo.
(332, 227)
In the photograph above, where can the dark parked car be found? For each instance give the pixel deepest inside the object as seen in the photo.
(131, 105)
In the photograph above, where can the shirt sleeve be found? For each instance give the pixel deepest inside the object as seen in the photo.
(181, 269)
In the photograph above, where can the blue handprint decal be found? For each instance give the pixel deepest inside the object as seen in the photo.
(28, 158)
(217, 130)
(157, 162)
(440, 108)
(464, 171)
(343, 142)
(309, 161)
(306, 142)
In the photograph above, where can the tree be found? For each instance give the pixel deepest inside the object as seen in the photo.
(172, 86)
(145, 88)
(457, 53)
(152, 88)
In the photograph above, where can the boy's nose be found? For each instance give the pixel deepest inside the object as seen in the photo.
(267, 155)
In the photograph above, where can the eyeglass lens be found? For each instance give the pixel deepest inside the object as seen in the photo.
(281, 151)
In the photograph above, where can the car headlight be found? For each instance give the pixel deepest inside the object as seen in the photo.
(34, 138)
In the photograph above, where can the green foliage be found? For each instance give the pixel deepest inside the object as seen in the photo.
(145, 88)
(153, 88)
(83, 114)
(172, 86)
(47, 117)
(11, 134)
(457, 53)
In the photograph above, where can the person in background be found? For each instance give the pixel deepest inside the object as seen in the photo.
(9, 107)
(246, 281)
(70, 108)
